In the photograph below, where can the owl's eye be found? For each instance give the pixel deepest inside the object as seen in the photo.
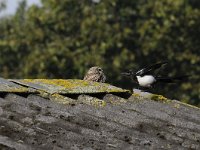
(100, 69)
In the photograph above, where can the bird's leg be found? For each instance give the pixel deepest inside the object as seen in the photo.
(142, 89)
(139, 87)
(151, 88)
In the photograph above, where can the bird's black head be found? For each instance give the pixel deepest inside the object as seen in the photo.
(128, 73)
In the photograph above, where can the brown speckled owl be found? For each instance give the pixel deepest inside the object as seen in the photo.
(95, 74)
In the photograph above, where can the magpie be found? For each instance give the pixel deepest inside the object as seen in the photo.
(146, 77)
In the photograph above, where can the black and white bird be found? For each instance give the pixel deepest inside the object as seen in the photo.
(146, 77)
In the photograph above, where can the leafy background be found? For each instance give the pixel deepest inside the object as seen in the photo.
(62, 39)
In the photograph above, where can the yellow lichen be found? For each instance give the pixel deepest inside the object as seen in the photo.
(14, 90)
(159, 98)
(116, 101)
(61, 99)
(177, 105)
(192, 106)
(77, 86)
(136, 94)
(43, 94)
(168, 146)
(56, 82)
(93, 101)
(10, 88)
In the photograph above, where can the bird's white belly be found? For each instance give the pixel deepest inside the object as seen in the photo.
(146, 81)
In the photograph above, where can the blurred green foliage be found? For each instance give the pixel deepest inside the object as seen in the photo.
(62, 39)
(2, 5)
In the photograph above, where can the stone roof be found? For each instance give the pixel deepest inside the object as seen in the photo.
(77, 114)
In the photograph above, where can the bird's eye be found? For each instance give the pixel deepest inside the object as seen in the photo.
(100, 69)
(130, 71)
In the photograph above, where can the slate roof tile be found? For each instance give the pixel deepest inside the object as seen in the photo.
(47, 115)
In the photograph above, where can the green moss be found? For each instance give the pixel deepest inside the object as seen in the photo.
(75, 86)
(165, 100)
(11, 89)
(43, 94)
(188, 105)
(159, 98)
(61, 99)
(17, 90)
(117, 101)
(93, 101)
(57, 82)
(176, 105)
(136, 95)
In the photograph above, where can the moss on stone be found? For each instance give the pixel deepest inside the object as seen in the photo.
(176, 105)
(116, 101)
(136, 95)
(61, 99)
(160, 98)
(188, 105)
(92, 101)
(75, 86)
(11, 89)
(44, 94)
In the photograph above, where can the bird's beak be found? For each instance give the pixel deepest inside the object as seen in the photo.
(126, 73)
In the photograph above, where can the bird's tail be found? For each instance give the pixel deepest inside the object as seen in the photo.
(172, 79)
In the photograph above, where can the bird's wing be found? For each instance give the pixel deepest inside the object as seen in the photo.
(148, 69)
